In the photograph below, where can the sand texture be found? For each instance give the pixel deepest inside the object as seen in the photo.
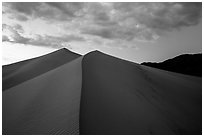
(46, 104)
(120, 97)
(98, 94)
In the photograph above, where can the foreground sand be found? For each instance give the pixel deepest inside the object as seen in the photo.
(47, 104)
(101, 94)
(120, 97)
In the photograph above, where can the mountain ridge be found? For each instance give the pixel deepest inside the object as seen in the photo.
(189, 64)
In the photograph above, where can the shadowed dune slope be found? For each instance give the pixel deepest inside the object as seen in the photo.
(46, 104)
(120, 97)
(17, 73)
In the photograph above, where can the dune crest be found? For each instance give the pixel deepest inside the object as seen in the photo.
(120, 97)
(46, 104)
(99, 94)
(19, 72)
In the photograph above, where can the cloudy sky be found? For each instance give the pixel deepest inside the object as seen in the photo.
(133, 31)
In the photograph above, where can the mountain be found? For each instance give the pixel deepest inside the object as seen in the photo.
(19, 72)
(190, 64)
(99, 94)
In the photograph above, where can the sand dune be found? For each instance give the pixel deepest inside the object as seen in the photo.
(19, 72)
(46, 104)
(100, 94)
(119, 97)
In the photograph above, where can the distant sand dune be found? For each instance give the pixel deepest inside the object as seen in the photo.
(98, 94)
(17, 73)
(46, 104)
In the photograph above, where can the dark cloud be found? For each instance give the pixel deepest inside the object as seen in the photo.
(69, 9)
(24, 7)
(18, 28)
(98, 12)
(120, 32)
(144, 21)
(5, 38)
(125, 21)
(13, 14)
(103, 32)
(48, 11)
(20, 10)
(163, 16)
(21, 17)
(4, 26)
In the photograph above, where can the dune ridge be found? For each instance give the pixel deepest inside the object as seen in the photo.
(19, 72)
(46, 104)
(99, 94)
(120, 97)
